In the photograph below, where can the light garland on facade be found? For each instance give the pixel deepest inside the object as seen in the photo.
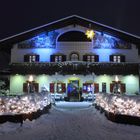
(24, 104)
(119, 104)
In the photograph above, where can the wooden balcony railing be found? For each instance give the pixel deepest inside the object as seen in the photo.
(78, 67)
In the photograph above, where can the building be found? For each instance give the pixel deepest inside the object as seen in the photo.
(59, 57)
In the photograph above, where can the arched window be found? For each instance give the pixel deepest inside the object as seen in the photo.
(76, 36)
(74, 57)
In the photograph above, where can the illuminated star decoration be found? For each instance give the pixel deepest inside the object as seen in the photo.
(90, 34)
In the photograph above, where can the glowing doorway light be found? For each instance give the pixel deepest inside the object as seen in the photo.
(90, 34)
(116, 78)
(31, 78)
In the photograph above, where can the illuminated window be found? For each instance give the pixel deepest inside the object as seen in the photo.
(91, 58)
(116, 58)
(58, 58)
(31, 58)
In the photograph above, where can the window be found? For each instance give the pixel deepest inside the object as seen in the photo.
(91, 58)
(74, 57)
(31, 58)
(117, 58)
(57, 58)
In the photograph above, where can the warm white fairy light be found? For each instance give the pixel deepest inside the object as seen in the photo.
(24, 104)
(116, 78)
(31, 78)
(117, 104)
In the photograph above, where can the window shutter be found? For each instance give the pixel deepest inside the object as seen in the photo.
(84, 57)
(36, 87)
(25, 87)
(52, 58)
(122, 58)
(123, 88)
(63, 87)
(111, 87)
(37, 58)
(111, 58)
(51, 87)
(26, 58)
(63, 58)
(96, 58)
(96, 87)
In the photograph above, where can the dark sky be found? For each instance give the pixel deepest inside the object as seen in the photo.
(20, 15)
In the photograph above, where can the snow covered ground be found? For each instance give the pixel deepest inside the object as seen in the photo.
(71, 122)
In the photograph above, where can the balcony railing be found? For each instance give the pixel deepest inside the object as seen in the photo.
(76, 67)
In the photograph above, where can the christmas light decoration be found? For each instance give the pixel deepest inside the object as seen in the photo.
(24, 104)
(90, 34)
(118, 104)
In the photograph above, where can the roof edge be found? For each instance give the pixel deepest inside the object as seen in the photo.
(68, 17)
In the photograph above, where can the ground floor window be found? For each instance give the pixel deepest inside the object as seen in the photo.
(117, 87)
(30, 87)
(104, 87)
(57, 87)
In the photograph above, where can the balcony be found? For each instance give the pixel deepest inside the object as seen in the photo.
(77, 67)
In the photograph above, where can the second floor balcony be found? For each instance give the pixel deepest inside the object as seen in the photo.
(75, 67)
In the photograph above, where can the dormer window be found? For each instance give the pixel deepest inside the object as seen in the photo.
(31, 58)
(117, 58)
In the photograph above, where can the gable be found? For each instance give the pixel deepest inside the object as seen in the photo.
(71, 20)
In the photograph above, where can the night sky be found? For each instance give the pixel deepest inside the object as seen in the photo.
(20, 15)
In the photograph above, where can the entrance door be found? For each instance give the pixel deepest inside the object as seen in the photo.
(73, 90)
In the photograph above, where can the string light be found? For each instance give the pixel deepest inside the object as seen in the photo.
(117, 104)
(24, 104)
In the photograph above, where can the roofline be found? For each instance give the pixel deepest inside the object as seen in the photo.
(108, 27)
(94, 22)
(36, 28)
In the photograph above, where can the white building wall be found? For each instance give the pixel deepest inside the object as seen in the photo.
(131, 81)
(17, 55)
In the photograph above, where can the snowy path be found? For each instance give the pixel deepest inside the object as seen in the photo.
(70, 124)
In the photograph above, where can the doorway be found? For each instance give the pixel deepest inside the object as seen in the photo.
(73, 90)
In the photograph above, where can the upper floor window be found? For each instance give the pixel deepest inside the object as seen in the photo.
(91, 58)
(58, 58)
(74, 57)
(31, 58)
(117, 58)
